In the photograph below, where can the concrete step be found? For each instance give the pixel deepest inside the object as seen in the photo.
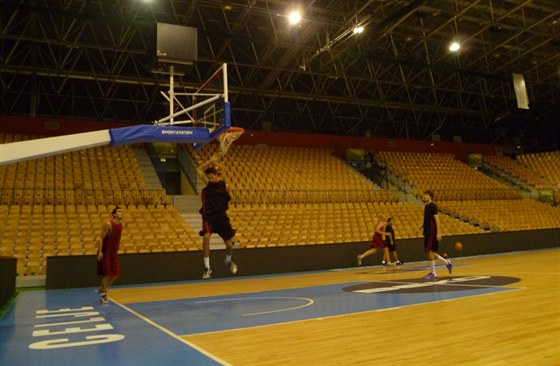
(147, 169)
(187, 203)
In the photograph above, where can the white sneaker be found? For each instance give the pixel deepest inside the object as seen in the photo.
(206, 274)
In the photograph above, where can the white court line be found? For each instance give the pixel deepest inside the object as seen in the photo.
(353, 313)
(447, 283)
(170, 333)
(309, 302)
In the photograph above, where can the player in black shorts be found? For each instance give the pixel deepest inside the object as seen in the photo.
(390, 240)
(432, 235)
(215, 203)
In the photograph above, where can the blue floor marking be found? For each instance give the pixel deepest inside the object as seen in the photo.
(217, 313)
(142, 344)
(24, 329)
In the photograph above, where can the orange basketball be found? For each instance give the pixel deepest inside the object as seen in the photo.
(458, 246)
(219, 168)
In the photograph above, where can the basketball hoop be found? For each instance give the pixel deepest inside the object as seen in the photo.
(228, 137)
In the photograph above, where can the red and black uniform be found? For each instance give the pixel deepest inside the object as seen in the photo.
(215, 203)
(109, 265)
(377, 241)
(430, 229)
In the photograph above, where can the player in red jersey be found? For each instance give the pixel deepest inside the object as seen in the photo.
(377, 242)
(107, 253)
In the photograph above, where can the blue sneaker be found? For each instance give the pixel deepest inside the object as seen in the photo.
(449, 265)
(430, 276)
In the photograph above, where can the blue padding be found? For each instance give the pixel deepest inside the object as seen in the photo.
(146, 133)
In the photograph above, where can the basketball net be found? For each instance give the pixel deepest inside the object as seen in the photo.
(228, 137)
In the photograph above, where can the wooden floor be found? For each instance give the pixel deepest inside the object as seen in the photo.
(520, 327)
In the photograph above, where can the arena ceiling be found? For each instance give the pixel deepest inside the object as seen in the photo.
(90, 59)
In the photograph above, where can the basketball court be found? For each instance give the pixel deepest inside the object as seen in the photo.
(500, 310)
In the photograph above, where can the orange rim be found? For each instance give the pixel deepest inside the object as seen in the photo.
(236, 129)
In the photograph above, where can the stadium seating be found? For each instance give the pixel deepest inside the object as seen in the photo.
(517, 170)
(269, 174)
(545, 164)
(448, 178)
(317, 223)
(506, 215)
(281, 196)
(101, 175)
(33, 233)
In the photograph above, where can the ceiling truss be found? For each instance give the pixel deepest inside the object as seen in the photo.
(91, 59)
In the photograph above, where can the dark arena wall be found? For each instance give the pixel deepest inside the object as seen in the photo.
(7, 278)
(80, 271)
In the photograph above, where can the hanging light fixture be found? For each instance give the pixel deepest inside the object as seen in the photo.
(455, 46)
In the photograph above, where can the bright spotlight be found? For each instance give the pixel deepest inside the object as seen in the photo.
(454, 46)
(294, 17)
(358, 29)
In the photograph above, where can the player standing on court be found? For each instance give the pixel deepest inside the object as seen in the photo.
(432, 235)
(377, 242)
(390, 241)
(107, 253)
(215, 203)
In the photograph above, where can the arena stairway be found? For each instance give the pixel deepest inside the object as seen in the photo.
(147, 169)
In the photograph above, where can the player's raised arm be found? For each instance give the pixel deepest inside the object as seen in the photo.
(202, 167)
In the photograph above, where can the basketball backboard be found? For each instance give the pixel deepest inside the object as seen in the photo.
(205, 109)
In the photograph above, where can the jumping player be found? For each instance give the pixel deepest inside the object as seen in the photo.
(432, 235)
(215, 200)
(377, 242)
(107, 253)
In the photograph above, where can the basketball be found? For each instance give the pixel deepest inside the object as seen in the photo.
(219, 168)
(458, 246)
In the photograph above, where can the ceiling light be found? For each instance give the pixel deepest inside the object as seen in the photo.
(294, 17)
(358, 29)
(454, 46)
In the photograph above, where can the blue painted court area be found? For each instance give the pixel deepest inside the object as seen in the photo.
(202, 315)
(68, 327)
